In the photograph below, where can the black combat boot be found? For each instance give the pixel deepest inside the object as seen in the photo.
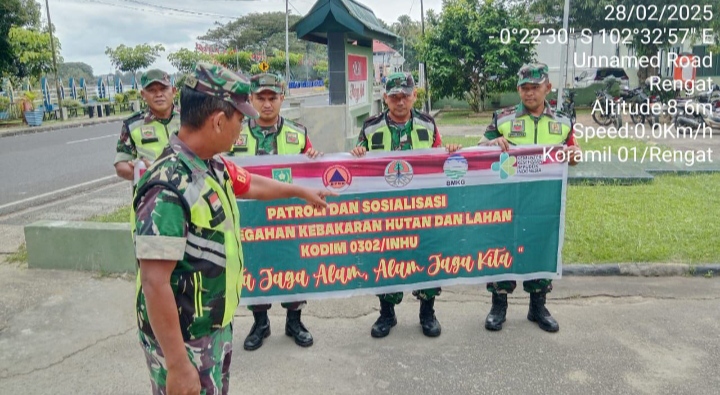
(430, 324)
(496, 317)
(538, 313)
(387, 320)
(259, 331)
(295, 329)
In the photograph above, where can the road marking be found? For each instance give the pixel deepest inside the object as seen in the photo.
(90, 139)
(15, 203)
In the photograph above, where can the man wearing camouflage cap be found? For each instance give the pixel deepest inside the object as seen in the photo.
(532, 121)
(400, 128)
(271, 134)
(144, 135)
(187, 237)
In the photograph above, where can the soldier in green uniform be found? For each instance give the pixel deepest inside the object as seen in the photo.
(187, 237)
(401, 128)
(271, 134)
(532, 121)
(145, 134)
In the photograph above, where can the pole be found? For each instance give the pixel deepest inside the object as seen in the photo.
(424, 76)
(54, 57)
(287, 43)
(403, 65)
(563, 61)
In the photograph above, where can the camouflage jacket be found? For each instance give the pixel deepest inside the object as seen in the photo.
(126, 149)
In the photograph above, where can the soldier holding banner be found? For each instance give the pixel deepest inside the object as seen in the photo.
(144, 135)
(401, 128)
(532, 121)
(271, 134)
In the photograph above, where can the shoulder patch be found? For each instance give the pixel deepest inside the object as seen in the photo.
(374, 119)
(134, 118)
(425, 116)
(295, 125)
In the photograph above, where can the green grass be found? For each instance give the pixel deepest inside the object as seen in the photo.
(122, 214)
(20, 256)
(672, 219)
(463, 117)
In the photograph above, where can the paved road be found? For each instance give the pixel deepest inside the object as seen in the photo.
(41, 164)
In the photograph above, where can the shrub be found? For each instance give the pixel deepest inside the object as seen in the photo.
(421, 95)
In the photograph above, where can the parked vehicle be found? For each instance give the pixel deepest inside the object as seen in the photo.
(606, 107)
(593, 76)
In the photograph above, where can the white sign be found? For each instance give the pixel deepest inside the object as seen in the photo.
(357, 93)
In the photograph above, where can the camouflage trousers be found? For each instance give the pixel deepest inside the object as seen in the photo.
(530, 286)
(423, 294)
(292, 306)
(211, 356)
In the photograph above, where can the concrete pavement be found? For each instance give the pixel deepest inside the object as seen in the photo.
(71, 333)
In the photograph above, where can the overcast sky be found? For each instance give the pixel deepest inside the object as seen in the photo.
(86, 27)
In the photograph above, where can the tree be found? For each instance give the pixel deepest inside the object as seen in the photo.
(134, 59)
(15, 13)
(184, 60)
(240, 60)
(593, 15)
(277, 61)
(411, 31)
(75, 70)
(465, 62)
(31, 49)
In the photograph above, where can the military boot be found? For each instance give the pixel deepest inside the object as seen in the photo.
(387, 320)
(295, 329)
(430, 324)
(496, 317)
(259, 331)
(538, 313)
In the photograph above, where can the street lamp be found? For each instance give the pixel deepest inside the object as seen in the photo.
(424, 74)
(287, 45)
(52, 48)
(563, 62)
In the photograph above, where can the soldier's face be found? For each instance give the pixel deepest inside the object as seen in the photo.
(231, 128)
(267, 104)
(400, 104)
(158, 97)
(533, 95)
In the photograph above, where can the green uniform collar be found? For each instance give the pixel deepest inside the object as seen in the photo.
(150, 117)
(520, 110)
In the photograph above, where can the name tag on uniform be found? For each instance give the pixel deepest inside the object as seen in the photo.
(291, 138)
(148, 134)
(242, 140)
(518, 128)
(555, 128)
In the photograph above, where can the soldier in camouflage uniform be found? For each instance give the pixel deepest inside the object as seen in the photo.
(145, 134)
(532, 121)
(401, 128)
(272, 134)
(187, 237)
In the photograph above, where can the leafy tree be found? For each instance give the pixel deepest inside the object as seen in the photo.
(241, 60)
(184, 60)
(277, 62)
(32, 51)
(15, 13)
(465, 62)
(411, 31)
(75, 70)
(133, 59)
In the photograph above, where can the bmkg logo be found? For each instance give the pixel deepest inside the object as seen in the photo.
(455, 168)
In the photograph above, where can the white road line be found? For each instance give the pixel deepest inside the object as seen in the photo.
(15, 203)
(90, 139)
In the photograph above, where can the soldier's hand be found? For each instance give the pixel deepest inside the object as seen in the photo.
(499, 142)
(147, 163)
(183, 380)
(312, 153)
(572, 154)
(358, 152)
(316, 197)
(453, 147)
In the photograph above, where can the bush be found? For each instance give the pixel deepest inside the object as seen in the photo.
(421, 95)
(4, 103)
(71, 103)
(132, 94)
(120, 98)
(326, 82)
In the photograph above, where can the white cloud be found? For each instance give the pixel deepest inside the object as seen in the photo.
(86, 27)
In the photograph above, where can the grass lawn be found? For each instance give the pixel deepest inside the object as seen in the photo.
(463, 117)
(670, 220)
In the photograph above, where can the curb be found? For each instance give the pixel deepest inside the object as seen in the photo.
(642, 269)
(41, 129)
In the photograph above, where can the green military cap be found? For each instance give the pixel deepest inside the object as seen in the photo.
(400, 83)
(224, 84)
(267, 82)
(152, 76)
(533, 73)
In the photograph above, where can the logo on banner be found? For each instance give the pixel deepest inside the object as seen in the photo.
(337, 178)
(357, 68)
(455, 168)
(398, 173)
(282, 175)
(504, 166)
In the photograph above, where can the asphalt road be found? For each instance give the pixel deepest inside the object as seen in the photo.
(41, 166)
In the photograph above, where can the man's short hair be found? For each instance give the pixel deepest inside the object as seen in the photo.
(197, 107)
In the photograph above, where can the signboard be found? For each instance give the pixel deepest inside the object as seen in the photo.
(403, 221)
(264, 66)
(684, 69)
(357, 73)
